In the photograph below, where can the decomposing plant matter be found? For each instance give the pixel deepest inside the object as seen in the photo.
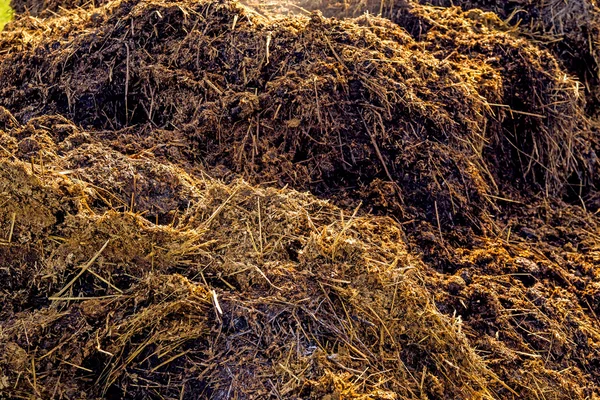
(208, 200)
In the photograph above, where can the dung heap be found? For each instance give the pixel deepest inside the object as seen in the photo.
(204, 200)
(334, 107)
(568, 29)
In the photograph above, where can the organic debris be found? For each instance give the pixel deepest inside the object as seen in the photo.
(254, 292)
(245, 292)
(568, 29)
(48, 8)
(335, 107)
(205, 200)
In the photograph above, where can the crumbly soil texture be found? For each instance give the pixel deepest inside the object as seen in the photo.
(374, 200)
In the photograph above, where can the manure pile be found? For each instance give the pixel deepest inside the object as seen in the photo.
(205, 199)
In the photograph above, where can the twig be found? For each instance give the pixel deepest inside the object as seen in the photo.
(510, 110)
(215, 302)
(108, 353)
(335, 54)
(269, 37)
(220, 208)
(437, 217)
(267, 279)
(34, 374)
(83, 269)
(110, 296)
(12, 226)
(382, 160)
(127, 83)
(76, 366)
(105, 281)
(344, 229)
(213, 86)
(59, 346)
(379, 155)
(132, 202)
(260, 236)
(176, 356)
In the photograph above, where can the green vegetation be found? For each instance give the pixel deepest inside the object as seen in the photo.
(6, 12)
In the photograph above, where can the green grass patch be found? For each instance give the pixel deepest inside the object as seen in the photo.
(6, 13)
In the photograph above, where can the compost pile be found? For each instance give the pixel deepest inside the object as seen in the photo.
(568, 29)
(209, 200)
